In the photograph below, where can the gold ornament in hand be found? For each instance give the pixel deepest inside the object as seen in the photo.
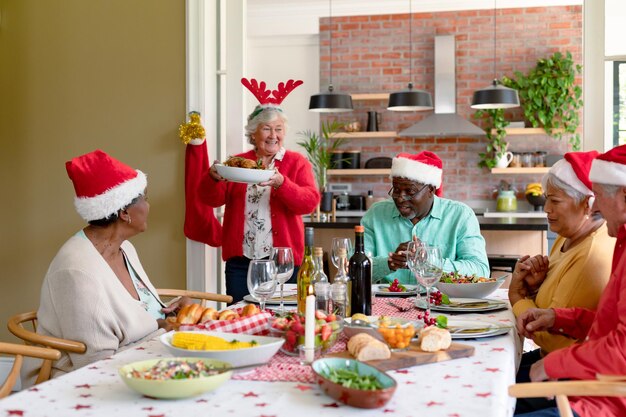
(192, 129)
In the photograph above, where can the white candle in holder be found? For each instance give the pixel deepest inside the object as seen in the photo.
(309, 326)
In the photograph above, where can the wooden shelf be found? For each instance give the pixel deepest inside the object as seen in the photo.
(372, 96)
(360, 172)
(534, 170)
(361, 135)
(513, 131)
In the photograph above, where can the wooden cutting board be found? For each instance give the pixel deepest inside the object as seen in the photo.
(414, 356)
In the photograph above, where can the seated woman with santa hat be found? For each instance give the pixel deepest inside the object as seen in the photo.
(96, 290)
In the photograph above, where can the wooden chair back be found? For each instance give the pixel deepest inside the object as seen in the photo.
(603, 386)
(19, 351)
(24, 326)
(198, 295)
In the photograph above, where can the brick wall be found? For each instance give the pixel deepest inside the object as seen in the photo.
(371, 55)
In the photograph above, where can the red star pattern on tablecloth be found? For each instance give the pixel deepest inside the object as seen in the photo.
(402, 371)
(331, 405)
(202, 400)
(80, 406)
(498, 349)
(263, 415)
(87, 386)
(140, 348)
(410, 382)
(494, 370)
(156, 415)
(468, 386)
(303, 387)
(85, 395)
(433, 403)
(93, 367)
(250, 394)
(454, 415)
(483, 394)
(34, 389)
(450, 376)
(261, 404)
(388, 410)
(477, 363)
(148, 408)
(15, 412)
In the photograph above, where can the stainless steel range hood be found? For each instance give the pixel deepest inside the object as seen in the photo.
(445, 121)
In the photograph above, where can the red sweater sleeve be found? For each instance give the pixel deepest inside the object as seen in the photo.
(299, 192)
(574, 322)
(200, 222)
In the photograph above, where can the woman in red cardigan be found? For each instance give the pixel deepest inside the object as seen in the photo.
(260, 216)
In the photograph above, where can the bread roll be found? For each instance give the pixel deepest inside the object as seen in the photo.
(433, 339)
(228, 315)
(366, 348)
(250, 310)
(189, 314)
(209, 314)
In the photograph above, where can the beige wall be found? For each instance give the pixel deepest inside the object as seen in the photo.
(78, 75)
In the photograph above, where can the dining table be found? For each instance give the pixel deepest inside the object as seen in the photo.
(466, 387)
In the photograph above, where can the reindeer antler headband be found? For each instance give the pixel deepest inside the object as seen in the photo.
(269, 98)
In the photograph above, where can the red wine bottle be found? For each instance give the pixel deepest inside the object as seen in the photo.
(360, 271)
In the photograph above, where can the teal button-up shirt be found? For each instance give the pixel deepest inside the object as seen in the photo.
(451, 225)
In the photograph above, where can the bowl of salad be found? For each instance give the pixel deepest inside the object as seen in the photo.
(354, 383)
(458, 285)
(172, 378)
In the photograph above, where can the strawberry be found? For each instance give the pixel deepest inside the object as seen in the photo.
(320, 315)
(326, 332)
(290, 338)
(331, 317)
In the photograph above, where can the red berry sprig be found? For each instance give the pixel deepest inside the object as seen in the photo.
(436, 298)
(425, 317)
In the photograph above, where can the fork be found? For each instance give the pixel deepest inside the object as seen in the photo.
(400, 308)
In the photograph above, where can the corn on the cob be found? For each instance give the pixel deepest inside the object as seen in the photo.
(197, 341)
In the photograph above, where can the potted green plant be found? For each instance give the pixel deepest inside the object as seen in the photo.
(495, 130)
(319, 149)
(550, 97)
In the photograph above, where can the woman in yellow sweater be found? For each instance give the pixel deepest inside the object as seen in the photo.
(578, 268)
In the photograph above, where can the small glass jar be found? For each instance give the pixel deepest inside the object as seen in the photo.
(322, 296)
(506, 201)
(539, 159)
(527, 160)
(516, 162)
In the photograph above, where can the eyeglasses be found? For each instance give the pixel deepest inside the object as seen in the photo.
(393, 193)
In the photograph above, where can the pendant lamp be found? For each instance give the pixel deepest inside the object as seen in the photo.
(496, 96)
(410, 99)
(330, 101)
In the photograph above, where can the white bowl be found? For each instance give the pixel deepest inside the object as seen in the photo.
(467, 290)
(173, 388)
(261, 353)
(247, 175)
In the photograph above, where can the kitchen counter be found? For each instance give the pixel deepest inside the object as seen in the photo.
(486, 223)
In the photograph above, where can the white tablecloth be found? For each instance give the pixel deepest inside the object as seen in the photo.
(475, 386)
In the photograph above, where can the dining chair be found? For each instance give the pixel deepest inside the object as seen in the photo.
(19, 351)
(24, 326)
(198, 295)
(602, 386)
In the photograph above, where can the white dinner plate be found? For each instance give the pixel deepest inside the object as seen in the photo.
(475, 329)
(383, 289)
(245, 175)
(261, 353)
(457, 306)
(290, 299)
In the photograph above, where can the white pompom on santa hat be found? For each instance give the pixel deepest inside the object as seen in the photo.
(610, 167)
(424, 167)
(103, 184)
(573, 170)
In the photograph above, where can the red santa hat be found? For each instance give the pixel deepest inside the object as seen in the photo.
(610, 167)
(103, 184)
(574, 169)
(424, 167)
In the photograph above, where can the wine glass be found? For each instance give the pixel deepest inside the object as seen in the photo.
(283, 259)
(340, 242)
(427, 266)
(262, 280)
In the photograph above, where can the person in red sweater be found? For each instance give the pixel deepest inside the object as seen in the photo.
(260, 216)
(603, 350)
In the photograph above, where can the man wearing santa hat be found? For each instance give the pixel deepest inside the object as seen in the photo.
(603, 350)
(416, 211)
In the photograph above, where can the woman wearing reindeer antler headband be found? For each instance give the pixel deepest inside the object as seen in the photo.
(258, 217)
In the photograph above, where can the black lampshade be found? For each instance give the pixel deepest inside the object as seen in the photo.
(410, 100)
(330, 102)
(495, 96)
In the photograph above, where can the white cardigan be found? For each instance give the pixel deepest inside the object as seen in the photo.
(82, 299)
